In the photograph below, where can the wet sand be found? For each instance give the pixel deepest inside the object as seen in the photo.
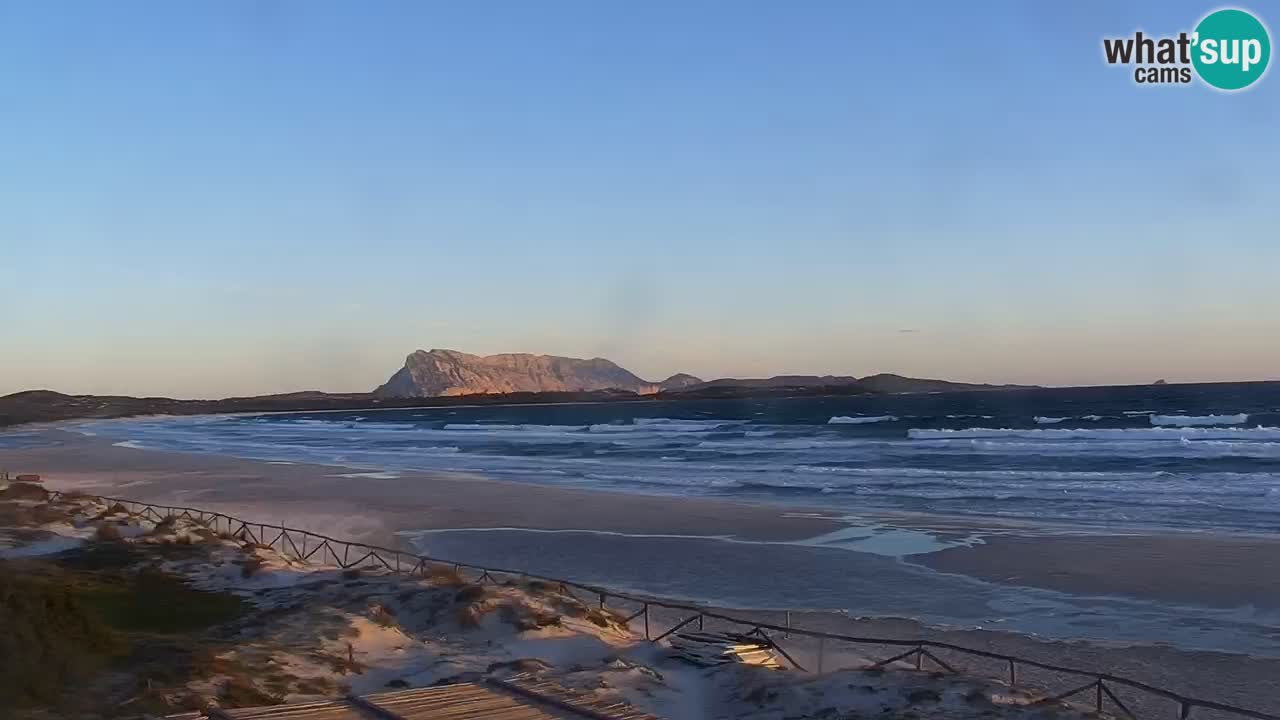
(1203, 570)
(1197, 569)
(1221, 571)
(359, 504)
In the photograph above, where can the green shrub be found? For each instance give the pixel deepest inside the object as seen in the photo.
(156, 602)
(49, 640)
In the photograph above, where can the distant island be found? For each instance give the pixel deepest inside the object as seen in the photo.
(440, 378)
(437, 373)
(444, 373)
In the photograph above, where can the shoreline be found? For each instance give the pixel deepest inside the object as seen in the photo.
(384, 628)
(408, 501)
(1232, 678)
(972, 565)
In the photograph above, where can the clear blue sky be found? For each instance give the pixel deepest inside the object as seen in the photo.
(206, 198)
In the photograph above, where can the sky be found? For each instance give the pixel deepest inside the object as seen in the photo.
(226, 197)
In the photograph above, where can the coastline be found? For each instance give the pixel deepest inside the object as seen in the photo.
(294, 614)
(981, 572)
(373, 506)
(661, 542)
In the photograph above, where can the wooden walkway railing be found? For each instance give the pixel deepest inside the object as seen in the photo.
(309, 546)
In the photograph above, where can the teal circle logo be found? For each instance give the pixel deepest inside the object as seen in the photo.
(1231, 49)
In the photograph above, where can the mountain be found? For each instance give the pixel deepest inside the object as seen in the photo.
(449, 372)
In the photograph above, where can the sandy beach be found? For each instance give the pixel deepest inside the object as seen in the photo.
(372, 506)
(700, 549)
(1198, 568)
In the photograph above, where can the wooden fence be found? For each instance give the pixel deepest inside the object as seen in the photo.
(1100, 688)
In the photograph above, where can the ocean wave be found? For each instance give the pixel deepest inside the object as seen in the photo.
(1138, 449)
(679, 421)
(773, 445)
(1041, 420)
(661, 425)
(651, 479)
(679, 425)
(1156, 433)
(1091, 476)
(471, 427)
(1193, 420)
(860, 420)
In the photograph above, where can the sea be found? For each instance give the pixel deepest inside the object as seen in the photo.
(957, 466)
(1189, 457)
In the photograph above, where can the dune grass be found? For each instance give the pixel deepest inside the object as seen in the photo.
(69, 619)
(151, 601)
(50, 638)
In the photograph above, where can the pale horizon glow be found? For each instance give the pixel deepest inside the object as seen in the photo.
(213, 199)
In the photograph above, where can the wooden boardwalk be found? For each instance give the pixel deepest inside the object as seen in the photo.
(519, 698)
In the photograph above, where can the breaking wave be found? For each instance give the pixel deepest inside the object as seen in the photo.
(1193, 420)
(471, 427)
(1122, 434)
(1143, 458)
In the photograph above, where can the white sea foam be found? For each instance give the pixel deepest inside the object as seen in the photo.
(1112, 448)
(1041, 420)
(1076, 468)
(677, 425)
(1155, 433)
(860, 420)
(661, 425)
(1192, 420)
(131, 444)
(896, 473)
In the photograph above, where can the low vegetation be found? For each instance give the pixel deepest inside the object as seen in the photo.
(70, 618)
(51, 638)
(154, 618)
